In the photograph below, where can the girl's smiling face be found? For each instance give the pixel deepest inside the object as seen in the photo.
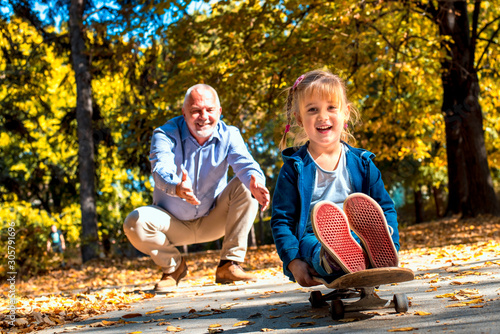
(323, 118)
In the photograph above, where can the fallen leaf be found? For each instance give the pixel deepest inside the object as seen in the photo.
(348, 319)
(174, 329)
(131, 315)
(243, 323)
(300, 316)
(403, 329)
(303, 324)
(317, 316)
(422, 313)
(457, 305)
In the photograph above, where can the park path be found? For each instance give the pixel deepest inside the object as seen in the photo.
(455, 290)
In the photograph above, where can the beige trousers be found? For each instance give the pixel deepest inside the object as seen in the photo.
(153, 231)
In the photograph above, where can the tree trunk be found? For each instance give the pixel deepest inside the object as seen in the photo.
(470, 185)
(261, 228)
(79, 55)
(251, 237)
(437, 194)
(419, 205)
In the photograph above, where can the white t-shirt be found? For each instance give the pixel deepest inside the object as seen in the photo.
(333, 186)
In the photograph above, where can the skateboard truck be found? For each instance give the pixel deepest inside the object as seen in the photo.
(362, 285)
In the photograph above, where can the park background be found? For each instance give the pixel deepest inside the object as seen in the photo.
(74, 145)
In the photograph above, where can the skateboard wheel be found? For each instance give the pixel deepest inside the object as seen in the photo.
(337, 309)
(401, 303)
(316, 299)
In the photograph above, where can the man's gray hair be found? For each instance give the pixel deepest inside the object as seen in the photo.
(204, 86)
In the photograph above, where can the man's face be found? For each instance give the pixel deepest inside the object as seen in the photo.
(201, 114)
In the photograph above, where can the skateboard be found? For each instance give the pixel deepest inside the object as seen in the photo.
(362, 285)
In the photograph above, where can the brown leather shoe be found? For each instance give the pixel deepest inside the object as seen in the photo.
(167, 281)
(231, 272)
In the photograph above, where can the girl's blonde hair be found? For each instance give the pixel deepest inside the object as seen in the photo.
(325, 84)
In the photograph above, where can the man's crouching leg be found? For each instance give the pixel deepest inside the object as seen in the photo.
(146, 229)
(240, 209)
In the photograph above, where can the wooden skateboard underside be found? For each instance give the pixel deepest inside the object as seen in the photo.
(362, 285)
(370, 278)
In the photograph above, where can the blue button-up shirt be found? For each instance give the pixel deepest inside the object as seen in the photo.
(173, 148)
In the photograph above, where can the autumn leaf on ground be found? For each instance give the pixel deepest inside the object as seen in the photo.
(446, 295)
(174, 329)
(348, 319)
(300, 316)
(303, 324)
(457, 305)
(215, 326)
(131, 315)
(243, 323)
(422, 313)
(403, 329)
(318, 316)
(463, 283)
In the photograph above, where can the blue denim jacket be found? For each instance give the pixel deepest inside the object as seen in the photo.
(293, 194)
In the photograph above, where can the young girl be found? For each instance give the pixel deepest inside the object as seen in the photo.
(327, 188)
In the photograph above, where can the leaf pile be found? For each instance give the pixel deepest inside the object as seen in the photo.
(450, 231)
(98, 287)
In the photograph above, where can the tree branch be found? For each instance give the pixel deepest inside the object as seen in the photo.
(490, 41)
(487, 25)
(427, 8)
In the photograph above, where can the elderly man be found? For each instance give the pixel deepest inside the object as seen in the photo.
(192, 200)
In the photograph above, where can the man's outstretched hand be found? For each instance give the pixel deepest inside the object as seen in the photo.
(260, 192)
(184, 189)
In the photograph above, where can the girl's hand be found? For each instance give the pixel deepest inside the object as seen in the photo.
(303, 273)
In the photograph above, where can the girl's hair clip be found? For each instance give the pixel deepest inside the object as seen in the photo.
(287, 128)
(299, 80)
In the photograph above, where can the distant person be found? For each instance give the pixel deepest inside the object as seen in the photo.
(56, 241)
(192, 199)
(327, 188)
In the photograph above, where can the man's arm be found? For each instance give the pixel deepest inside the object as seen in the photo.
(247, 169)
(163, 167)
